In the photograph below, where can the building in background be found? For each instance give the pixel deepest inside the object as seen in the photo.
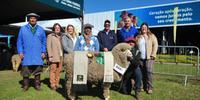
(158, 14)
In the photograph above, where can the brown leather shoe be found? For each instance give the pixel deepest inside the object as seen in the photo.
(25, 84)
(37, 82)
(53, 88)
(37, 87)
(150, 91)
(57, 86)
(25, 88)
(137, 95)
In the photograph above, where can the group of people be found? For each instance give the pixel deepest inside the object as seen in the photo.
(123, 16)
(33, 46)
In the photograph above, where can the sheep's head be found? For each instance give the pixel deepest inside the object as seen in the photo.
(122, 54)
(128, 54)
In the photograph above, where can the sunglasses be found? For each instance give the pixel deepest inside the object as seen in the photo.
(107, 24)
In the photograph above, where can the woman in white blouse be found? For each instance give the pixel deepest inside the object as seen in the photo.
(148, 46)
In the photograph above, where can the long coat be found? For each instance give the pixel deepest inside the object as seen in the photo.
(54, 47)
(151, 44)
(32, 45)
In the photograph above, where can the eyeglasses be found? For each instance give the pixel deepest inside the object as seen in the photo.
(107, 24)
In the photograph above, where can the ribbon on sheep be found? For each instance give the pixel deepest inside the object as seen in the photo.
(80, 67)
(108, 67)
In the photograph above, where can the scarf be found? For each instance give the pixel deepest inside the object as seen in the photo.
(33, 29)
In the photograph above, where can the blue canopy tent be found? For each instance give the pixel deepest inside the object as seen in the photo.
(14, 11)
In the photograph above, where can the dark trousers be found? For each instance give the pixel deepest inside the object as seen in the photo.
(31, 70)
(136, 74)
(28, 71)
(127, 84)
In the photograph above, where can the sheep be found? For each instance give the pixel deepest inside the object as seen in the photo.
(121, 53)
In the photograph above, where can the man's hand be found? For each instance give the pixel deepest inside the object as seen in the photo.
(87, 39)
(21, 55)
(141, 63)
(105, 49)
(50, 59)
(43, 55)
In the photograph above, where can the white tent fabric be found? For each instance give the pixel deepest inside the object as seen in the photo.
(63, 22)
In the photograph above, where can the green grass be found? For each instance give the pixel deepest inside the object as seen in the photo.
(177, 58)
(165, 88)
(182, 69)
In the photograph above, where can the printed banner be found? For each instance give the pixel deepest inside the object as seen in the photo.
(163, 15)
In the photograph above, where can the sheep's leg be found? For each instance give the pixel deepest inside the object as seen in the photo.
(106, 90)
(69, 90)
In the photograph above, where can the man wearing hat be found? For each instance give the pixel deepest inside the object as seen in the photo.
(31, 46)
(133, 71)
(107, 38)
(87, 42)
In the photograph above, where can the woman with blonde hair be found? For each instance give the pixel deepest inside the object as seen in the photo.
(69, 39)
(55, 55)
(148, 46)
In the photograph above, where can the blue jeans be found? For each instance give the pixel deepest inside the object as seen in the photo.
(138, 78)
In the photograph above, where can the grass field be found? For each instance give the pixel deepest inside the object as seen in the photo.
(181, 69)
(165, 88)
(191, 59)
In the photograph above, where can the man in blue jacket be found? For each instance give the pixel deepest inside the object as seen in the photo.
(31, 46)
(127, 31)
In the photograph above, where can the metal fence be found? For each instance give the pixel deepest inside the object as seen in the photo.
(177, 60)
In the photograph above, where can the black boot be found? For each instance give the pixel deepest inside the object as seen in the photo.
(25, 83)
(37, 82)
